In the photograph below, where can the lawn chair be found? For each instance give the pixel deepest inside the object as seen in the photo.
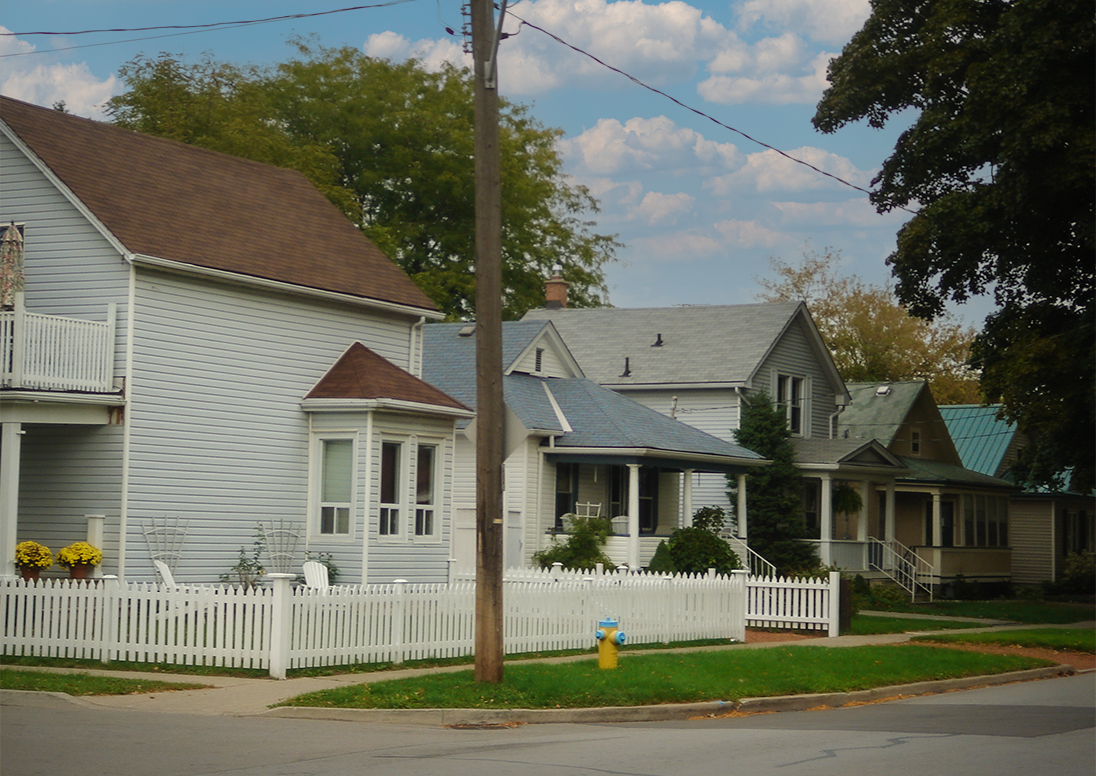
(167, 579)
(315, 575)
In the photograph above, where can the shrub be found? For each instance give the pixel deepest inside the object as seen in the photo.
(582, 550)
(696, 549)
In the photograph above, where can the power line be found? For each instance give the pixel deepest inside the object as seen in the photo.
(698, 112)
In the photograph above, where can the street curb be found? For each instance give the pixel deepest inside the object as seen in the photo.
(659, 713)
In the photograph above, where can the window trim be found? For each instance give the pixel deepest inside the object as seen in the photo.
(435, 505)
(802, 405)
(316, 476)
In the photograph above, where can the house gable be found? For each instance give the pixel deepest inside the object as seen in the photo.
(903, 416)
(165, 201)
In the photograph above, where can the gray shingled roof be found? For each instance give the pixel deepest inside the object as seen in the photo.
(598, 417)
(872, 415)
(603, 418)
(601, 339)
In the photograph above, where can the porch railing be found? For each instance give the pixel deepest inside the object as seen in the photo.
(904, 566)
(51, 353)
(755, 564)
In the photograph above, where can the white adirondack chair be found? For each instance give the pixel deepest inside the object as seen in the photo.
(315, 575)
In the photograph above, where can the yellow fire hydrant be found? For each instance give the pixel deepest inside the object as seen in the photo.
(609, 640)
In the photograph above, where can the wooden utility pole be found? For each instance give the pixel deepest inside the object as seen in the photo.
(489, 403)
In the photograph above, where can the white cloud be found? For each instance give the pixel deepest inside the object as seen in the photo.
(750, 234)
(826, 21)
(770, 171)
(677, 247)
(657, 44)
(432, 53)
(859, 213)
(646, 145)
(775, 72)
(73, 84)
(657, 207)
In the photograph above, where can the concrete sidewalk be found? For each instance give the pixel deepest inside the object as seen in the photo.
(247, 697)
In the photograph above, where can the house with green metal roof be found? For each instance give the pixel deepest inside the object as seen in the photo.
(1044, 526)
(947, 519)
(572, 447)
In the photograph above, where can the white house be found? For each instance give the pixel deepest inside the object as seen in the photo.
(574, 447)
(206, 346)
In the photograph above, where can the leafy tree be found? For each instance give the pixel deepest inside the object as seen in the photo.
(392, 145)
(776, 521)
(871, 336)
(1000, 162)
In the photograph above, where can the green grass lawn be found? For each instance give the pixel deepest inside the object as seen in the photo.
(726, 675)
(1067, 639)
(85, 684)
(1016, 610)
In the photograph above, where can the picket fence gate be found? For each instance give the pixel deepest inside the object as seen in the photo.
(279, 627)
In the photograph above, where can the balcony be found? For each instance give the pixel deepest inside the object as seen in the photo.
(50, 353)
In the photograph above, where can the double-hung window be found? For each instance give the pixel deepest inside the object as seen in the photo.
(391, 491)
(426, 491)
(790, 392)
(336, 485)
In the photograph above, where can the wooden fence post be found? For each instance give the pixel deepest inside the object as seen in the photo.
(110, 586)
(280, 625)
(835, 604)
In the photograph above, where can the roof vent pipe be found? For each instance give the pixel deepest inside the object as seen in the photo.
(658, 341)
(627, 368)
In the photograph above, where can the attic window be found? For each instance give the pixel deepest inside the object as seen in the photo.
(467, 331)
(915, 443)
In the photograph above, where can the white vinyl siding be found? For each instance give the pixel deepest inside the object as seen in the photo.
(794, 356)
(218, 435)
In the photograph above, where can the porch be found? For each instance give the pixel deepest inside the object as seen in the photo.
(54, 372)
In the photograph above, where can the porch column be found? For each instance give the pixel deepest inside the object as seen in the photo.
(742, 525)
(937, 539)
(826, 523)
(11, 437)
(862, 525)
(888, 520)
(687, 498)
(633, 515)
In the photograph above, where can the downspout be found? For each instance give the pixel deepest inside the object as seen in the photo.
(833, 420)
(414, 355)
(127, 422)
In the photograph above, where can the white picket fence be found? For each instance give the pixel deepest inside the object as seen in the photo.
(281, 627)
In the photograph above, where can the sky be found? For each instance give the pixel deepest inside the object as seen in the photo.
(698, 206)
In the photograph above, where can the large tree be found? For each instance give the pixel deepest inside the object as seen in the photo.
(392, 145)
(775, 492)
(871, 336)
(999, 166)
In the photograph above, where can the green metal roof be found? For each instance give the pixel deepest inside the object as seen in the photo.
(980, 438)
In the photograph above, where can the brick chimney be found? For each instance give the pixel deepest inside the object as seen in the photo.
(555, 290)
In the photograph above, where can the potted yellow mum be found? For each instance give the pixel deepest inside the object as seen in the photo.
(31, 558)
(79, 558)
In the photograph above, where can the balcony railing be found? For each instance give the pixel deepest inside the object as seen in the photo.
(51, 353)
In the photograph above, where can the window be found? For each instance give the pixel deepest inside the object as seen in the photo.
(915, 443)
(336, 485)
(790, 396)
(566, 491)
(425, 496)
(391, 498)
(648, 495)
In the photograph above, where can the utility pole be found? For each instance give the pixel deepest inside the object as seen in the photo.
(489, 401)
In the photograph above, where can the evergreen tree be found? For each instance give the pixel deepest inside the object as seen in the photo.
(773, 492)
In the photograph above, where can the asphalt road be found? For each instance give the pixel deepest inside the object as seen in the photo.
(1042, 727)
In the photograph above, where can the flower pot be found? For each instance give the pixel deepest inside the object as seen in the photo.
(79, 570)
(30, 573)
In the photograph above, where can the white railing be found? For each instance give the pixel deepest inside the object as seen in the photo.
(904, 566)
(756, 564)
(796, 603)
(47, 352)
(279, 627)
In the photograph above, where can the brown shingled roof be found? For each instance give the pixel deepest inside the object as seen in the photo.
(362, 374)
(168, 200)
